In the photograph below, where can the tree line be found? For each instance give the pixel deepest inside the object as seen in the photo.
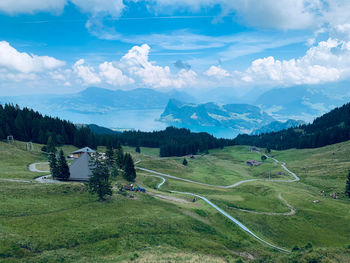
(332, 127)
(173, 141)
(29, 125)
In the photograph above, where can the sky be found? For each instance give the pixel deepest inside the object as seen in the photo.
(65, 46)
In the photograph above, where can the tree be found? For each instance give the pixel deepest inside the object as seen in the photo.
(263, 158)
(63, 169)
(138, 150)
(129, 168)
(110, 155)
(51, 147)
(268, 149)
(53, 165)
(184, 162)
(347, 187)
(119, 156)
(115, 171)
(99, 180)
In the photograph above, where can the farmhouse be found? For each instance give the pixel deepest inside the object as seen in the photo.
(80, 170)
(253, 162)
(81, 151)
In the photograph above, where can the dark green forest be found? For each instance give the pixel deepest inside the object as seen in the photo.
(332, 127)
(28, 125)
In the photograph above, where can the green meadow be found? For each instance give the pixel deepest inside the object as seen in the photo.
(63, 223)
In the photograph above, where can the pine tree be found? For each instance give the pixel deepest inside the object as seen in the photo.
(129, 168)
(53, 165)
(115, 172)
(63, 169)
(99, 180)
(119, 155)
(110, 155)
(51, 147)
(184, 162)
(347, 187)
(138, 150)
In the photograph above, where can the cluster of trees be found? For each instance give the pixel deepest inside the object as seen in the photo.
(99, 182)
(58, 166)
(102, 169)
(331, 128)
(28, 125)
(172, 141)
(117, 160)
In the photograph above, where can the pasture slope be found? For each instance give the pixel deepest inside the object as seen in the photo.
(146, 228)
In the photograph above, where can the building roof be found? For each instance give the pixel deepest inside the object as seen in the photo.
(84, 150)
(80, 170)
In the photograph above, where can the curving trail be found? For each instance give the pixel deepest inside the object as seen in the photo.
(243, 227)
(32, 168)
(290, 213)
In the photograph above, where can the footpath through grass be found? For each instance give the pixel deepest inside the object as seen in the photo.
(55, 223)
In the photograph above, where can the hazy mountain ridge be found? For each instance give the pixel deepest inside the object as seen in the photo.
(238, 117)
(98, 100)
(278, 125)
(303, 102)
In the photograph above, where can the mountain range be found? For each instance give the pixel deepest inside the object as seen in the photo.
(262, 112)
(236, 118)
(98, 100)
(278, 126)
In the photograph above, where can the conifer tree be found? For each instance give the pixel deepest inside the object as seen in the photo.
(99, 180)
(347, 187)
(129, 168)
(63, 169)
(138, 150)
(184, 162)
(110, 155)
(119, 155)
(51, 147)
(53, 165)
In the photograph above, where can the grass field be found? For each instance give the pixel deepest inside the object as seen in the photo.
(56, 223)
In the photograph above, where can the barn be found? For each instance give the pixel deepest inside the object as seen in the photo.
(81, 151)
(80, 169)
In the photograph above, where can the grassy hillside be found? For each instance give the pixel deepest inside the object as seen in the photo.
(55, 223)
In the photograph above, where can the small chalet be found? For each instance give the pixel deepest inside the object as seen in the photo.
(80, 169)
(254, 149)
(253, 163)
(81, 151)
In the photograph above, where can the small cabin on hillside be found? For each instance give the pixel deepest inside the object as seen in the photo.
(80, 169)
(81, 151)
(254, 149)
(253, 163)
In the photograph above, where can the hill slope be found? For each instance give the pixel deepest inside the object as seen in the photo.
(330, 128)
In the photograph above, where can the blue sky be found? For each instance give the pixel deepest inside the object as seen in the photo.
(62, 46)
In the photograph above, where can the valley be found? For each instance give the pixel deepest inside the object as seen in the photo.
(137, 228)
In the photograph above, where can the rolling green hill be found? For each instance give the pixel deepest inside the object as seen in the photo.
(56, 222)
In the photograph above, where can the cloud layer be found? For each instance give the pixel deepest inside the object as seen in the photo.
(11, 59)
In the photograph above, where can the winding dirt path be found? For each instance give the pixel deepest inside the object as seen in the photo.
(234, 220)
(290, 213)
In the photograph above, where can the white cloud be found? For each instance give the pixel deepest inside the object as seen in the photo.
(114, 76)
(100, 7)
(31, 6)
(327, 62)
(282, 14)
(217, 72)
(86, 73)
(14, 60)
(136, 63)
